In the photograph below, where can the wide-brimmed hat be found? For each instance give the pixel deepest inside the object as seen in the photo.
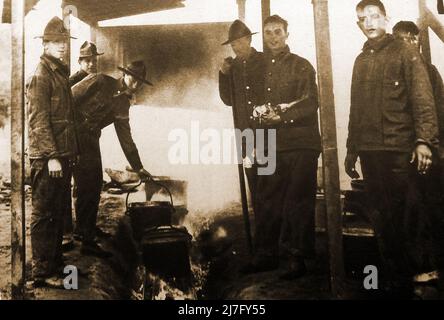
(88, 49)
(55, 30)
(238, 30)
(136, 69)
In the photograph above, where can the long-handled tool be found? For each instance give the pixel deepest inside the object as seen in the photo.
(240, 168)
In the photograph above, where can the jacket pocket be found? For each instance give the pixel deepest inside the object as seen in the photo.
(60, 130)
(393, 89)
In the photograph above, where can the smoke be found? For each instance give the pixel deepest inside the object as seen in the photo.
(183, 63)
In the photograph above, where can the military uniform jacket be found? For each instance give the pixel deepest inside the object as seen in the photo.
(392, 103)
(77, 77)
(289, 78)
(248, 85)
(101, 100)
(52, 131)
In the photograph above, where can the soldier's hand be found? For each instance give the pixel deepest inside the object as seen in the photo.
(226, 66)
(423, 156)
(284, 106)
(55, 168)
(349, 164)
(144, 175)
(271, 117)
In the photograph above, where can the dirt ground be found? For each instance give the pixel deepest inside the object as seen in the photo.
(217, 253)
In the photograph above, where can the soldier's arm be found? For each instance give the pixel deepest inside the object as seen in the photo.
(225, 88)
(307, 91)
(123, 131)
(39, 103)
(438, 93)
(353, 122)
(420, 94)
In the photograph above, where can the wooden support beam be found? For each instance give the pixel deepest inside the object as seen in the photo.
(93, 32)
(241, 9)
(266, 12)
(18, 226)
(329, 144)
(66, 13)
(423, 25)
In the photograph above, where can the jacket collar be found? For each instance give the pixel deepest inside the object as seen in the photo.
(253, 53)
(378, 45)
(55, 64)
(122, 89)
(280, 55)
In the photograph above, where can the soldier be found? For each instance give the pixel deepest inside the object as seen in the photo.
(52, 148)
(392, 124)
(102, 100)
(88, 65)
(286, 199)
(87, 61)
(432, 185)
(242, 79)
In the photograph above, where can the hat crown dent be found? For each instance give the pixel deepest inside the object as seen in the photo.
(89, 49)
(55, 26)
(238, 30)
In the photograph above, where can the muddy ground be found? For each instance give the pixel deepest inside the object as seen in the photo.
(217, 253)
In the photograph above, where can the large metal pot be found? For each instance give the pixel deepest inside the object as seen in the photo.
(145, 215)
(166, 251)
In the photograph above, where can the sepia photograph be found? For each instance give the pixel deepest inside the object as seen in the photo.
(221, 150)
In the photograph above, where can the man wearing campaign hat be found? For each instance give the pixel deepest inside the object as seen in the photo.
(88, 65)
(53, 146)
(87, 61)
(241, 85)
(102, 100)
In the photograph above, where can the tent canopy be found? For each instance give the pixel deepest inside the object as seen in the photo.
(96, 10)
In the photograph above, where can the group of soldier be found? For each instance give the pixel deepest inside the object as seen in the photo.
(66, 116)
(394, 129)
(395, 124)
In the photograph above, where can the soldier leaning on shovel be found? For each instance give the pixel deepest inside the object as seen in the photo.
(242, 79)
(101, 100)
(53, 148)
(88, 65)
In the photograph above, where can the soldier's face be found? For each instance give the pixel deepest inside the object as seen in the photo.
(56, 49)
(132, 83)
(372, 22)
(89, 65)
(242, 47)
(275, 36)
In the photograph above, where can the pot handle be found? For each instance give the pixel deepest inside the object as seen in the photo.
(155, 182)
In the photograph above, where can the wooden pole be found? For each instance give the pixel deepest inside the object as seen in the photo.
(266, 12)
(423, 25)
(67, 19)
(93, 32)
(18, 226)
(241, 9)
(329, 144)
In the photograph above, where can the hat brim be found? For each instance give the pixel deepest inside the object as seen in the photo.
(92, 55)
(55, 37)
(135, 75)
(231, 40)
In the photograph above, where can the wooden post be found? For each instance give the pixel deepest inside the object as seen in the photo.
(423, 25)
(241, 9)
(18, 226)
(67, 19)
(93, 32)
(329, 144)
(266, 12)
